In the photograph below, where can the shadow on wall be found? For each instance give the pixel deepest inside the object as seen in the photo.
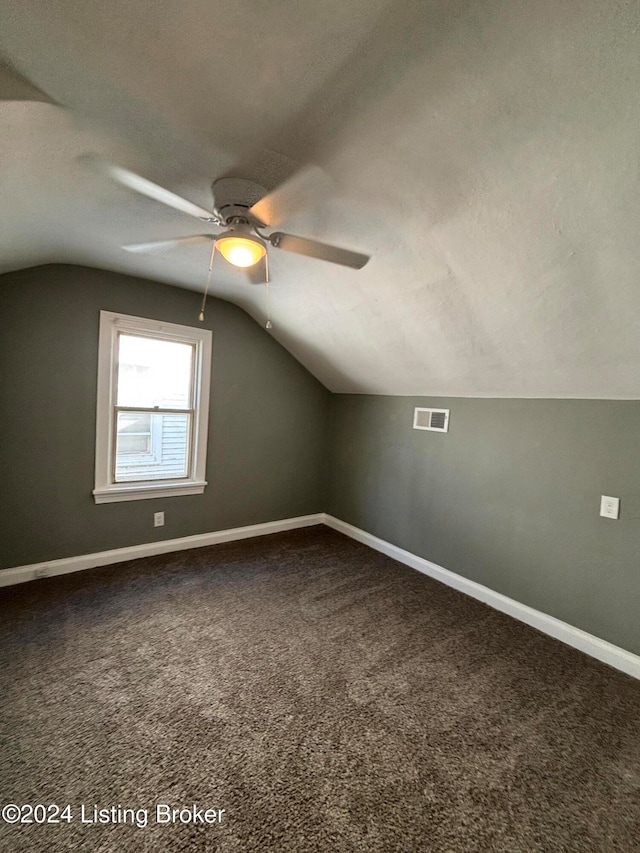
(15, 87)
(401, 38)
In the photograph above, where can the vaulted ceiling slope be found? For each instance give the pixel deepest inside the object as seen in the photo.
(484, 152)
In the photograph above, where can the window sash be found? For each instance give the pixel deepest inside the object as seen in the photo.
(158, 337)
(156, 410)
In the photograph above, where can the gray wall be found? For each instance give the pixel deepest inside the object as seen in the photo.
(266, 430)
(508, 498)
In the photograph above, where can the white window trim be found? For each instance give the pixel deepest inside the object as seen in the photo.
(107, 491)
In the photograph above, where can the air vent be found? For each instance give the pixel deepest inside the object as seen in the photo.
(435, 420)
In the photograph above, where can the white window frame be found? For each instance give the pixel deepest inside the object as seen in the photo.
(106, 489)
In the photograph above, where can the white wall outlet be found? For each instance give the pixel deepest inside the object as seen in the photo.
(158, 519)
(609, 507)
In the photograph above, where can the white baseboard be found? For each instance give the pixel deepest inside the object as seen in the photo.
(35, 571)
(595, 647)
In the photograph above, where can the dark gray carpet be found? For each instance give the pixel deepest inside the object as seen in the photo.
(326, 697)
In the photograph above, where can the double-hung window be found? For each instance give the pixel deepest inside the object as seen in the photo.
(153, 407)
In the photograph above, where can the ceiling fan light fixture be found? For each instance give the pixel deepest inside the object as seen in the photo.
(241, 251)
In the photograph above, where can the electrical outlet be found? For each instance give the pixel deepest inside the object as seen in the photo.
(609, 507)
(158, 519)
(42, 572)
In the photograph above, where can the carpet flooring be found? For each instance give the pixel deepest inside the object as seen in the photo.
(324, 696)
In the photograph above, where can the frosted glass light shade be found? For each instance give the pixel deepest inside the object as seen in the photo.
(241, 251)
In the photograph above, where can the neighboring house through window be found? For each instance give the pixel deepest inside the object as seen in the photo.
(153, 407)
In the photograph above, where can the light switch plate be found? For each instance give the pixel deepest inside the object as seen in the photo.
(609, 507)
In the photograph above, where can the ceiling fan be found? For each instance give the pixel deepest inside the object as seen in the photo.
(243, 208)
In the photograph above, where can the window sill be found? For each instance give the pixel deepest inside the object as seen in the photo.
(141, 492)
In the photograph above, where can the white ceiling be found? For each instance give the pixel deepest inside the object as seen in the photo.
(484, 152)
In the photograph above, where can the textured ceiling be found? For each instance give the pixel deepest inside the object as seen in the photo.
(485, 153)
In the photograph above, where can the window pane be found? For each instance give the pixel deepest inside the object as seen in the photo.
(134, 443)
(134, 422)
(159, 452)
(152, 372)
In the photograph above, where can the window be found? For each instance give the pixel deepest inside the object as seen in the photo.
(153, 407)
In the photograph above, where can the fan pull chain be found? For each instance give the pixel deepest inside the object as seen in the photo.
(268, 325)
(206, 290)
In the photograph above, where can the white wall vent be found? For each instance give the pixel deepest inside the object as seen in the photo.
(435, 420)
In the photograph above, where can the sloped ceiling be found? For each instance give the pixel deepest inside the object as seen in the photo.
(484, 152)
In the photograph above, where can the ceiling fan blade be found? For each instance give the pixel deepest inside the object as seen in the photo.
(157, 193)
(258, 273)
(305, 188)
(164, 247)
(314, 249)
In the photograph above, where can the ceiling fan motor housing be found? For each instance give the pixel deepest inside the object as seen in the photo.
(234, 196)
